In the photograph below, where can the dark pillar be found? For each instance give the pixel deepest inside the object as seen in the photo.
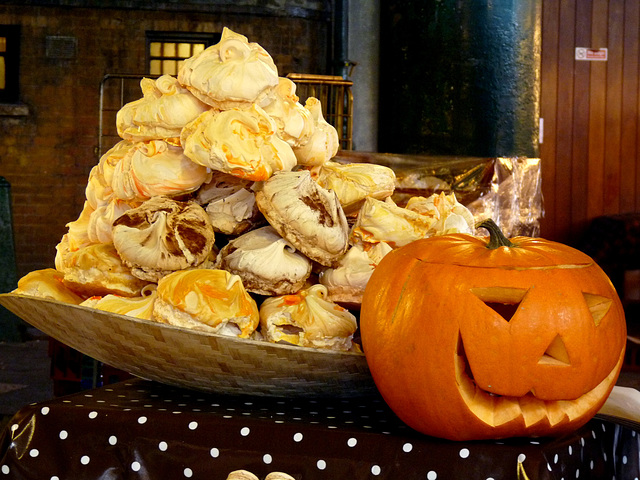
(460, 78)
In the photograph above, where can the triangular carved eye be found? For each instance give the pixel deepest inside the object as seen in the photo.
(556, 353)
(503, 300)
(598, 306)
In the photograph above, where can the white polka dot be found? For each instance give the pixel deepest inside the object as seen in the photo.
(135, 466)
(352, 442)
(162, 446)
(624, 459)
(34, 452)
(215, 453)
(464, 453)
(63, 435)
(93, 415)
(570, 450)
(15, 427)
(113, 440)
(321, 464)
(142, 420)
(297, 437)
(44, 410)
(432, 475)
(555, 458)
(85, 460)
(5, 469)
(188, 472)
(521, 458)
(55, 477)
(591, 465)
(193, 425)
(375, 470)
(245, 431)
(407, 447)
(267, 458)
(549, 467)
(578, 473)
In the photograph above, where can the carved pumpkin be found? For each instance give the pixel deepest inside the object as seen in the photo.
(469, 338)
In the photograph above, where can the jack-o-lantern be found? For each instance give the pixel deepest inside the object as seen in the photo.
(470, 338)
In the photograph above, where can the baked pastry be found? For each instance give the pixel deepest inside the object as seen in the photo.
(324, 142)
(47, 283)
(99, 190)
(242, 143)
(232, 73)
(353, 182)
(163, 235)
(100, 226)
(266, 262)
(305, 214)
(294, 121)
(346, 282)
(165, 108)
(156, 168)
(207, 300)
(308, 319)
(450, 215)
(97, 270)
(137, 307)
(230, 203)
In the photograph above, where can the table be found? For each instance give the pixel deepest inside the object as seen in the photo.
(142, 429)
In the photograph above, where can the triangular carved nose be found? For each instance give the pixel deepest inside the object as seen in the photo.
(556, 353)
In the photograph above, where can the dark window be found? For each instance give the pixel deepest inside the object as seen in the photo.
(167, 50)
(9, 63)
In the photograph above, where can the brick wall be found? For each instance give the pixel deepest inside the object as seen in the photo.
(47, 153)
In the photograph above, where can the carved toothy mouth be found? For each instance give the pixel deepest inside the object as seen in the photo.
(496, 410)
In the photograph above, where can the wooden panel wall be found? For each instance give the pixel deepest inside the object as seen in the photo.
(591, 111)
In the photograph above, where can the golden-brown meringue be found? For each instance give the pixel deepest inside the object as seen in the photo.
(99, 190)
(230, 203)
(163, 235)
(137, 307)
(165, 108)
(156, 168)
(242, 143)
(98, 270)
(305, 214)
(47, 283)
(232, 73)
(308, 319)
(449, 214)
(266, 262)
(294, 121)
(207, 300)
(324, 142)
(353, 182)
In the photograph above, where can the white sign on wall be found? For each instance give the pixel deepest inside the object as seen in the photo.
(592, 54)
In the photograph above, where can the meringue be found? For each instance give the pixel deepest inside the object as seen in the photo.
(294, 121)
(231, 73)
(163, 235)
(308, 319)
(156, 168)
(324, 142)
(451, 216)
(346, 282)
(267, 263)
(165, 108)
(208, 300)
(353, 182)
(138, 307)
(47, 283)
(242, 143)
(306, 215)
(99, 190)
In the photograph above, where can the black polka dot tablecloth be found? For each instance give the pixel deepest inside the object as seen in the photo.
(143, 430)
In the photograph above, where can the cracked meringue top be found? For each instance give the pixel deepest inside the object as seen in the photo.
(305, 214)
(231, 73)
(324, 141)
(308, 319)
(266, 262)
(242, 143)
(156, 168)
(165, 108)
(163, 235)
(294, 121)
(352, 182)
(208, 299)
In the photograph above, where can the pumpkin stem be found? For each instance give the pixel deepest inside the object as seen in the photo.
(496, 237)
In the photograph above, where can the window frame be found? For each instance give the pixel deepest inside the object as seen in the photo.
(11, 93)
(153, 36)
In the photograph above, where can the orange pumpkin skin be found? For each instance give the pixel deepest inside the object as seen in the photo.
(451, 366)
